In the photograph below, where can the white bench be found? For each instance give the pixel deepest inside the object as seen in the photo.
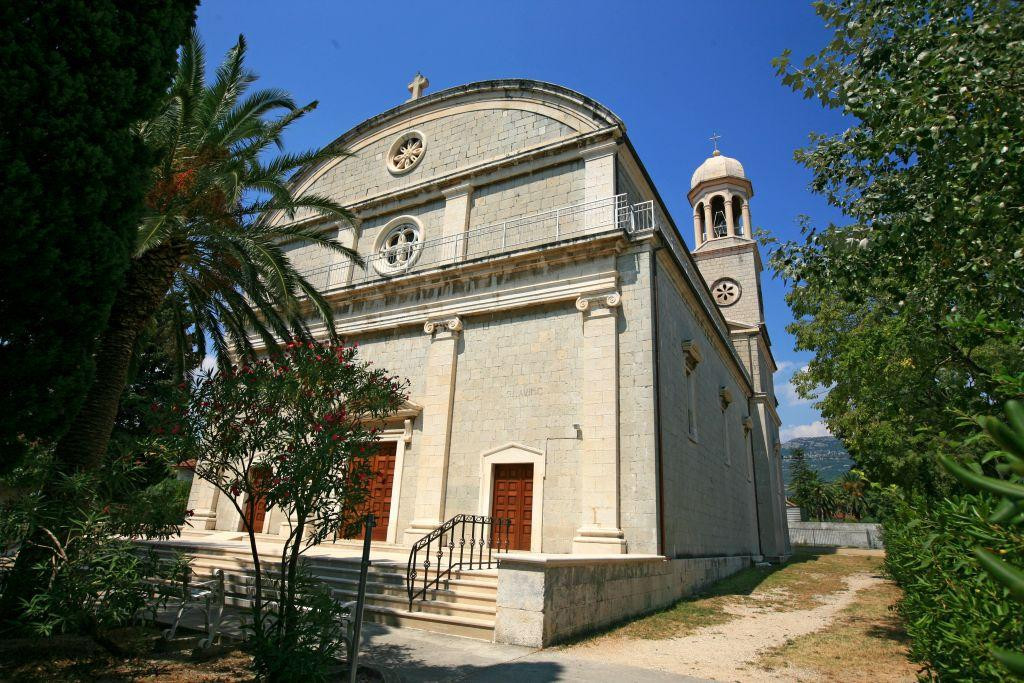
(211, 597)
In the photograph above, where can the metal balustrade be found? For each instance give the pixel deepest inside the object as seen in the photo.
(463, 542)
(568, 222)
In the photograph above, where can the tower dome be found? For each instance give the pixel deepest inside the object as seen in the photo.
(717, 166)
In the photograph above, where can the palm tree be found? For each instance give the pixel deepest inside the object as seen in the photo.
(210, 246)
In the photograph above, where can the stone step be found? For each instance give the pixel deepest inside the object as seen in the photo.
(465, 606)
(474, 586)
(476, 583)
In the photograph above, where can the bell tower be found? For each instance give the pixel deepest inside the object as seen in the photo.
(730, 262)
(724, 248)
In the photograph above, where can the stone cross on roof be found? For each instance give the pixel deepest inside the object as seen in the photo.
(715, 137)
(418, 85)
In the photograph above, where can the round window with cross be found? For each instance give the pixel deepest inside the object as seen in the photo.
(406, 152)
(398, 248)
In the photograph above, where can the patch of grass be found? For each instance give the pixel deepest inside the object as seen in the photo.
(866, 643)
(798, 584)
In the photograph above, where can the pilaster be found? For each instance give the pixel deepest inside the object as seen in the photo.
(730, 220)
(438, 398)
(455, 221)
(599, 171)
(342, 266)
(599, 530)
(202, 501)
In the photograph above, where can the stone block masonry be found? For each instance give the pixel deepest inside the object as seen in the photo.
(547, 599)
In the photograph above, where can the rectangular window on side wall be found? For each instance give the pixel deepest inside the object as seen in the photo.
(726, 398)
(748, 446)
(691, 358)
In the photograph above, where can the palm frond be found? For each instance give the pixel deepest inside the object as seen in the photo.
(219, 190)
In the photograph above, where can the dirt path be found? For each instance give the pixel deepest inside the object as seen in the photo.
(728, 652)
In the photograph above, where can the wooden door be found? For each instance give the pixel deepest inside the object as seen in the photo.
(379, 503)
(512, 498)
(378, 499)
(256, 508)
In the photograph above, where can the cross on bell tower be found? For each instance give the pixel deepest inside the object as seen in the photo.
(715, 137)
(418, 85)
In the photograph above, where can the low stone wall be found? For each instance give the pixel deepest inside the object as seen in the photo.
(546, 599)
(836, 535)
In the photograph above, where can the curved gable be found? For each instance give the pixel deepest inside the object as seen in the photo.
(464, 127)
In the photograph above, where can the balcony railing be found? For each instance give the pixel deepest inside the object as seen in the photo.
(552, 226)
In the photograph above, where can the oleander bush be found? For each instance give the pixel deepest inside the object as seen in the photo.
(953, 610)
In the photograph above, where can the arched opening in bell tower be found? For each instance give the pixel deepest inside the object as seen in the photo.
(737, 214)
(718, 221)
(699, 218)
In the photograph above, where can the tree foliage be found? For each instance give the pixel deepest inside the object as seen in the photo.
(959, 559)
(75, 76)
(851, 498)
(294, 431)
(209, 248)
(86, 572)
(914, 306)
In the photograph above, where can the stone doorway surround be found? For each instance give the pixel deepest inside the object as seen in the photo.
(401, 437)
(515, 454)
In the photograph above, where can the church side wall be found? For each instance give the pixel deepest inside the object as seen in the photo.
(709, 498)
(638, 490)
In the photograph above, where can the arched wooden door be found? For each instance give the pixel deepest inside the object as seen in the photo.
(512, 498)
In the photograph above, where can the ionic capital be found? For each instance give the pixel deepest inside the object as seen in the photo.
(453, 325)
(599, 302)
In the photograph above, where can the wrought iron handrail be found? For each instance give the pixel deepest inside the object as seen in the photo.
(486, 534)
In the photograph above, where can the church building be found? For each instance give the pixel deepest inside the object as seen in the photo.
(574, 365)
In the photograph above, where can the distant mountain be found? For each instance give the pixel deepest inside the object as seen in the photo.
(824, 453)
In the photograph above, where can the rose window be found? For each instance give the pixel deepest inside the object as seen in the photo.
(406, 152)
(399, 249)
(726, 292)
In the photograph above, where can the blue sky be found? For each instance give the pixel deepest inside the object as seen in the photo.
(675, 72)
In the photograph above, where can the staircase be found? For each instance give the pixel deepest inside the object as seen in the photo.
(464, 607)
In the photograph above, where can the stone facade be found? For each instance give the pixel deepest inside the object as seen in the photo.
(550, 314)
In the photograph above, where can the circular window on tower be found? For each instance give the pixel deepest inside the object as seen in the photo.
(726, 291)
(398, 246)
(406, 152)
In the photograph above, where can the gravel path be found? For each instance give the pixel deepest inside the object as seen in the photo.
(727, 652)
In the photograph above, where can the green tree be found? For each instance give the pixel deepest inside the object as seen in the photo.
(913, 307)
(809, 492)
(295, 432)
(206, 250)
(209, 246)
(75, 76)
